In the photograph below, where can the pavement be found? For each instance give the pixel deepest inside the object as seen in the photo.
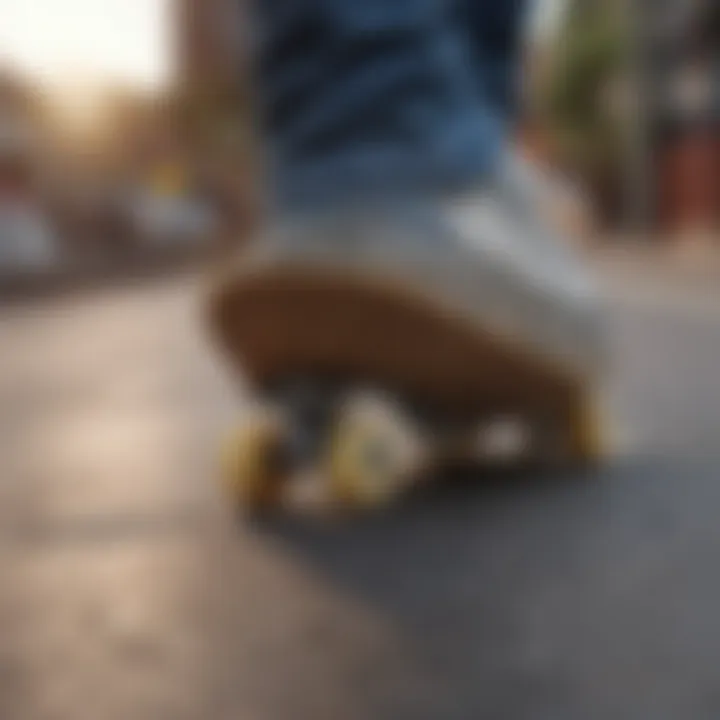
(129, 591)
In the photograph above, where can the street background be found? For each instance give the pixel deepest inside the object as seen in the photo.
(128, 589)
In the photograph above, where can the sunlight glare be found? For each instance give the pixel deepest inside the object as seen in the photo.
(88, 41)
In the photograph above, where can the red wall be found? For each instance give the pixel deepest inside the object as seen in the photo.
(689, 180)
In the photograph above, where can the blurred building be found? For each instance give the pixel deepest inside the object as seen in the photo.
(22, 136)
(683, 97)
(208, 42)
(631, 108)
(214, 99)
(28, 241)
(212, 84)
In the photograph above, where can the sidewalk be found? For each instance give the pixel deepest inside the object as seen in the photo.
(71, 277)
(684, 261)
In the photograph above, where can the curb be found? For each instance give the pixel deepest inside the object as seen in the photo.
(29, 285)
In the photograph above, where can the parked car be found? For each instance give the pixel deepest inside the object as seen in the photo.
(27, 240)
(163, 221)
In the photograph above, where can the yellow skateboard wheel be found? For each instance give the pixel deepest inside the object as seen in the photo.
(568, 436)
(373, 454)
(586, 442)
(253, 470)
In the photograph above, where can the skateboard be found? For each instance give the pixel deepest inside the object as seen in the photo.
(370, 386)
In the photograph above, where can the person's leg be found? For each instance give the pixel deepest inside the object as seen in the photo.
(387, 124)
(372, 96)
(494, 33)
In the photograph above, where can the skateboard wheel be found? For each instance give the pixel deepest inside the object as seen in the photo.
(570, 436)
(373, 453)
(586, 441)
(254, 468)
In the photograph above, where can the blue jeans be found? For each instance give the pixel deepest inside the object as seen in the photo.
(368, 98)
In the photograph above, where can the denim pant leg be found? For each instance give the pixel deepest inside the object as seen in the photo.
(494, 32)
(380, 97)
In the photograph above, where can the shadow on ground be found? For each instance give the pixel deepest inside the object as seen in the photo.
(541, 597)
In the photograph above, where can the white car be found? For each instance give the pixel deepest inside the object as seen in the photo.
(170, 221)
(27, 241)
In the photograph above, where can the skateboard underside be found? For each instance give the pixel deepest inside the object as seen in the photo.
(289, 322)
(441, 379)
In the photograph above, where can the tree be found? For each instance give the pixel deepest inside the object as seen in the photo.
(580, 97)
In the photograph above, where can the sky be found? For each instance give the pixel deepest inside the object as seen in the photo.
(94, 41)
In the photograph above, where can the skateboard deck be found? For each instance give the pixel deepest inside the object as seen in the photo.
(360, 331)
(294, 321)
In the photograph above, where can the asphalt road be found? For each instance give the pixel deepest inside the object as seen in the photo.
(127, 592)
